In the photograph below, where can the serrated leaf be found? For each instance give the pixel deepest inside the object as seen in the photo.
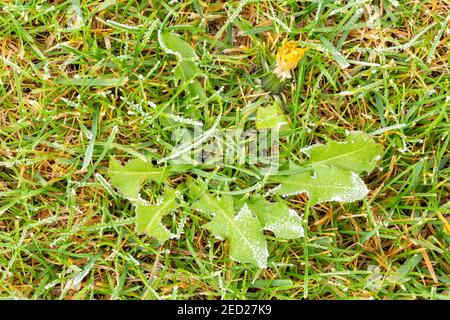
(222, 211)
(173, 44)
(148, 217)
(270, 117)
(284, 222)
(129, 178)
(358, 153)
(186, 69)
(327, 184)
(247, 242)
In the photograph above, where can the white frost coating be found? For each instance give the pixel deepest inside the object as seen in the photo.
(283, 226)
(167, 50)
(135, 262)
(298, 228)
(351, 132)
(104, 93)
(306, 150)
(71, 103)
(74, 282)
(278, 21)
(186, 120)
(159, 201)
(273, 190)
(292, 212)
(46, 72)
(139, 200)
(9, 164)
(218, 275)
(394, 3)
(180, 227)
(179, 195)
(382, 130)
(76, 20)
(137, 108)
(357, 192)
(350, 5)
(171, 235)
(125, 26)
(210, 213)
(285, 195)
(244, 212)
(259, 253)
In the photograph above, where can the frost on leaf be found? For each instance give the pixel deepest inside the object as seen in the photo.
(327, 184)
(243, 230)
(172, 43)
(148, 217)
(358, 153)
(284, 222)
(186, 69)
(129, 178)
(247, 242)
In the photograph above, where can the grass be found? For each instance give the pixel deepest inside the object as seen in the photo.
(76, 78)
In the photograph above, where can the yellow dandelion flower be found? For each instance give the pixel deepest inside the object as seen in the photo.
(287, 59)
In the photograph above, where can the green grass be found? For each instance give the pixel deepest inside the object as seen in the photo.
(72, 73)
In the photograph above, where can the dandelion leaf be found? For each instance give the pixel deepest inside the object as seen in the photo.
(129, 178)
(270, 117)
(148, 217)
(327, 184)
(197, 92)
(186, 71)
(358, 153)
(173, 44)
(243, 230)
(284, 222)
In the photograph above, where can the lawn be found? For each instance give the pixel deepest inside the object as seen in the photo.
(89, 85)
